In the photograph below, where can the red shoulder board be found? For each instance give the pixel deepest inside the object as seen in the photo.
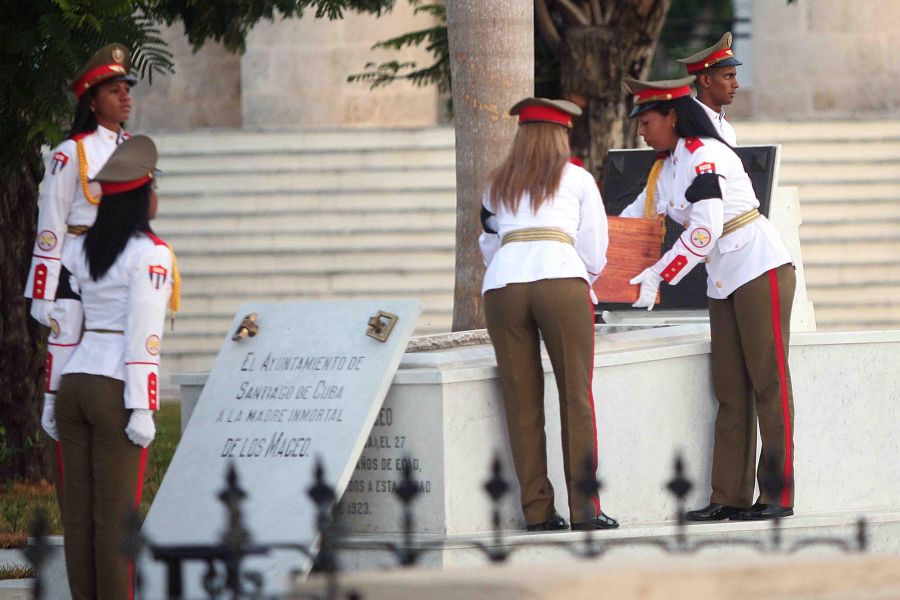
(80, 136)
(156, 240)
(692, 144)
(577, 162)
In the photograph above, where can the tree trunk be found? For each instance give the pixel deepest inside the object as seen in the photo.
(492, 67)
(22, 340)
(594, 60)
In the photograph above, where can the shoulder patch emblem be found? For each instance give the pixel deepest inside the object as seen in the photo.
(692, 144)
(152, 345)
(700, 237)
(158, 274)
(46, 240)
(60, 160)
(705, 167)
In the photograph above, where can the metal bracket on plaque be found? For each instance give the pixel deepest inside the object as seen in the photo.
(381, 325)
(247, 328)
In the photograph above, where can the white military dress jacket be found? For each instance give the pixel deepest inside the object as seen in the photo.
(123, 316)
(65, 200)
(733, 259)
(576, 209)
(725, 129)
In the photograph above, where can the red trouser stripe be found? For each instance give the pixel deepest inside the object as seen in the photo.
(137, 503)
(595, 501)
(782, 376)
(59, 468)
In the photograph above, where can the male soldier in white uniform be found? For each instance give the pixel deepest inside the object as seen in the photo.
(716, 83)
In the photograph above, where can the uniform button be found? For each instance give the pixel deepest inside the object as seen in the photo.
(706, 260)
(671, 203)
(686, 223)
(718, 284)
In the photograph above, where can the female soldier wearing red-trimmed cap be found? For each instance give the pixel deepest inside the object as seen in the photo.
(68, 204)
(702, 184)
(115, 283)
(544, 243)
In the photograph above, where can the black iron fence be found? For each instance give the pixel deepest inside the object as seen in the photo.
(226, 576)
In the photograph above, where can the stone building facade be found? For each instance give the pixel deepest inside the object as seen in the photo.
(808, 59)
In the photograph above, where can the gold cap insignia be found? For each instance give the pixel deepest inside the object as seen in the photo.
(118, 55)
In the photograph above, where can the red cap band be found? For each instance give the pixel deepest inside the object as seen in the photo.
(117, 187)
(543, 113)
(101, 73)
(710, 60)
(655, 94)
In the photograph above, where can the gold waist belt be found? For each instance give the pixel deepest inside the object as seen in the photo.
(77, 229)
(538, 234)
(739, 221)
(109, 331)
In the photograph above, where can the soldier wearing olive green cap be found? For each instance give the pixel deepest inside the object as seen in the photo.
(716, 82)
(67, 204)
(117, 280)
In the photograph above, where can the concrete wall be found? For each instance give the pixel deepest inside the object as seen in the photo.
(820, 58)
(205, 90)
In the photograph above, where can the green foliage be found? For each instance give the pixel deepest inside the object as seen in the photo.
(42, 44)
(229, 21)
(690, 26)
(436, 43)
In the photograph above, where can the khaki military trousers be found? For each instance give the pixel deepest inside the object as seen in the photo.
(750, 339)
(103, 480)
(560, 311)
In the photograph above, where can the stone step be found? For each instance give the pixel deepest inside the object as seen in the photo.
(882, 291)
(350, 281)
(854, 229)
(306, 241)
(826, 273)
(262, 161)
(840, 153)
(840, 132)
(334, 180)
(240, 140)
(857, 314)
(356, 221)
(240, 262)
(851, 250)
(880, 172)
(846, 193)
(227, 203)
(815, 211)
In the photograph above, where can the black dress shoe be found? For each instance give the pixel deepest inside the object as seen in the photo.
(601, 521)
(554, 523)
(713, 512)
(763, 512)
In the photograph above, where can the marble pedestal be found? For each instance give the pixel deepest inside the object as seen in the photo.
(653, 396)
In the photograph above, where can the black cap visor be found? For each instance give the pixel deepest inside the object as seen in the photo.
(639, 108)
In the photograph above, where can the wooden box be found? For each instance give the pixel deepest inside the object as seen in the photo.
(634, 245)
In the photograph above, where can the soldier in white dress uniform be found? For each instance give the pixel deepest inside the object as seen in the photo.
(750, 286)
(68, 202)
(115, 284)
(544, 243)
(716, 83)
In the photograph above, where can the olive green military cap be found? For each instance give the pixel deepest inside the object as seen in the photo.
(109, 63)
(132, 165)
(717, 55)
(648, 94)
(545, 110)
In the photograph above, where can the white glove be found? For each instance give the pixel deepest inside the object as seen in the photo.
(40, 310)
(48, 417)
(141, 429)
(649, 281)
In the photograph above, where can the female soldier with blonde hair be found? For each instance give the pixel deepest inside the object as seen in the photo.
(544, 243)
